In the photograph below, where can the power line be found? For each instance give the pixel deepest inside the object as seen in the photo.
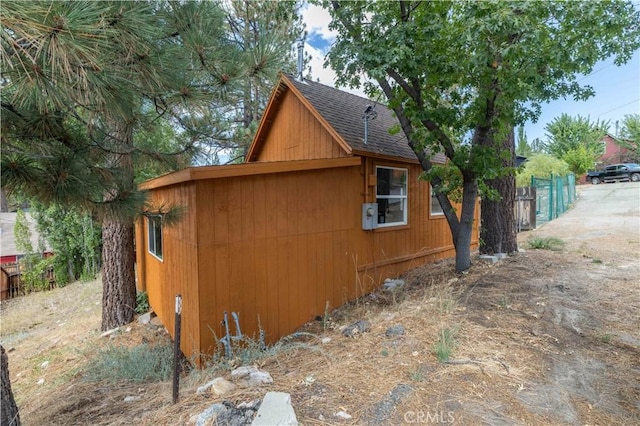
(621, 106)
(595, 72)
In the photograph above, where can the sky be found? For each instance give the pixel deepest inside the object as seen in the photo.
(617, 88)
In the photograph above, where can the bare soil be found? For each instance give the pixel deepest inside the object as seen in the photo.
(543, 337)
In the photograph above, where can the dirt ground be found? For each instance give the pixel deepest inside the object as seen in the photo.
(540, 338)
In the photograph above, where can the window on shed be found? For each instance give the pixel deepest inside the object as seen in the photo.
(154, 232)
(436, 208)
(391, 196)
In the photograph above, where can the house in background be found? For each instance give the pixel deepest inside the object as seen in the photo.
(320, 214)
(613, 152)
(10, 255)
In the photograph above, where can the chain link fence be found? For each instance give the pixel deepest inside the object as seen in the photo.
(553, 196)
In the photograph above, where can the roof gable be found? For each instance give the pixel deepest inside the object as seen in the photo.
(342, 114)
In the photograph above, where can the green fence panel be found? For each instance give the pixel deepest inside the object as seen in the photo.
(554, 196)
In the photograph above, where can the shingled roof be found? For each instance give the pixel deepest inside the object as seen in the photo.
(344, 112)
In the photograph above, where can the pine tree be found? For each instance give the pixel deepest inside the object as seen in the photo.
(77, 77)
(9, 414)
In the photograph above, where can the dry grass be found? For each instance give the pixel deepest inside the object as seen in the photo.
(507, 340)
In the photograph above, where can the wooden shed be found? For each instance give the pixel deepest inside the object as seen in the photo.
(316, 217)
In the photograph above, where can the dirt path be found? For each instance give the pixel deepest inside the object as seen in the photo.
(594, 302)
(541, 338)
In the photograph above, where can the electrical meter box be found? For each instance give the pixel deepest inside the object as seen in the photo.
(369, 216)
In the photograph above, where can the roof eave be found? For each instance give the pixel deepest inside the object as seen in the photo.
(267, 119)
(339, 139)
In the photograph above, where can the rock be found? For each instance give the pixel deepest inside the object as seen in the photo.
(250, 405)
(325, 340)
(44, 365)
(40, 382)
(343, 415)
(145, 318)
(132, 398)
(209, 416)
(392, 285)
(228, 414)
(221, 386)
(396, 330)
(207, 386)
(248, 376)
(379, 414)
(360, 326)
(276, 409)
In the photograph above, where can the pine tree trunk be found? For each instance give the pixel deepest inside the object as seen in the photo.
(118, 276)
(8, 409)
(4, 203)
(498, 225)
(118, 256)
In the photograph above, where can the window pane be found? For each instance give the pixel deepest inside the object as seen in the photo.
(158, 232)
(154, 229)
(384, 181)
(391, 190)
(436, 208)
(395, 210)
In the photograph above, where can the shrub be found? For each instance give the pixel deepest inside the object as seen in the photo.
(542, 166)
(142, 363)
(546, 243)
(445, 344)
(142, 303)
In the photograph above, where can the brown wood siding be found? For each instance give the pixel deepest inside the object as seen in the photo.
(176, 273)
(284, 135)
(277, 247)
(264, 243)
(388, 252)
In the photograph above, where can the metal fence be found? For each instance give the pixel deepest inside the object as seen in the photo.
(553, 196)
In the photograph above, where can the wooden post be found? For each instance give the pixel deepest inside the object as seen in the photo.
(176, 349)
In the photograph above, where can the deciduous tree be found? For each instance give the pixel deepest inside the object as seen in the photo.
(541, 166)
(460, 75)
(566, 135)
(630, 135)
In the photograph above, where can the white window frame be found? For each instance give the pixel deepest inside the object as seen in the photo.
(403, 197)
(154, 226)
(432, 196)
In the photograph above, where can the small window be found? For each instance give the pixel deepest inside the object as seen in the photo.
(154, 231)
(436, 208)
(391, 196)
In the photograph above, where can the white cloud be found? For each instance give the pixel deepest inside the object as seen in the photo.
(318, 71)
(317, 21)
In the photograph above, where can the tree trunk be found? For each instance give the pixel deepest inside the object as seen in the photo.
(4, 203)
(498, 225)
(462, 239)
(118, 276)
(118, 256)
(8, 409)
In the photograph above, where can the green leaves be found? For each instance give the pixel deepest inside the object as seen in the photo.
(570, 134)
